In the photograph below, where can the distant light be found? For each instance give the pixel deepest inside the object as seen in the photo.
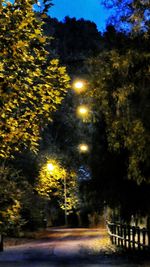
(50, 167)
(82, 110)
(79, 86)
(83, 148)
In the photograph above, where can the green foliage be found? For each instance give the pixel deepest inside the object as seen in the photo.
(72, 193)
(120, 88)
(44, 6)
(130, 14)
(12, 189)
(33, 210)
(31, 87)
(123, 87)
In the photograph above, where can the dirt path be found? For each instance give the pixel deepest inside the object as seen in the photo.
(66, 247)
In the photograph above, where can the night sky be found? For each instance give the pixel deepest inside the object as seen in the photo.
(87, 9)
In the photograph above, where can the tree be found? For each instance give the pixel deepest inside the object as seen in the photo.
(58, 182)
(31, 87)
(130, 14)
(43, 6)
(12, 191)
(50, 178)
(74, 41)
(121, 91)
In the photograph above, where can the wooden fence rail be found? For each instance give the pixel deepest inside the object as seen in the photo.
(129, 237)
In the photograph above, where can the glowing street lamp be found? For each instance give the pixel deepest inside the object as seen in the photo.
(50, 167)
(83, 111)
(79, 86)
(83, 148)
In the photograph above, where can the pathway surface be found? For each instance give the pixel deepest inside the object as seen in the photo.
(66, 247)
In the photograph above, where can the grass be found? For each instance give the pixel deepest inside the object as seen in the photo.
(101, 246)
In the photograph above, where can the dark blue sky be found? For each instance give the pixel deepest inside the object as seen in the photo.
(87, 9)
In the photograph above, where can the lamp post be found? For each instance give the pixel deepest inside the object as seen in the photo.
(78, 86)
(51, 168)
(83, 111)
(65, 200)
(83, 148)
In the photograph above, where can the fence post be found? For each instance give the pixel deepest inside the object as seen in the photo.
(133, 236)
(138, 237)
(129, 237)
(125, 236)
(112, 231)
(144, 234)
(121, 234)
(115, 232)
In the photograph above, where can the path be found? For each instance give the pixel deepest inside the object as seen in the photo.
(66, 247)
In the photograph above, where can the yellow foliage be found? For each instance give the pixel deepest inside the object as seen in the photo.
(31, 88)
(50, 179)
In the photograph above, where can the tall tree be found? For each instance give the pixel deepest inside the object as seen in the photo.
(121, 89)
(74, 41)
(31, 87)
(12, 191)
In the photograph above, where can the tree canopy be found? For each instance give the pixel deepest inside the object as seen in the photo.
(56, 179)
(121, 89)
(130, 14)
(31, 87)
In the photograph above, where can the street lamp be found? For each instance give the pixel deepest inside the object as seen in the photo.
(82, 111)
(83, 148)
(65, 200)
(50, 167)
(79, 86)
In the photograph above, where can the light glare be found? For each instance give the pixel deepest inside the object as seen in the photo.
(50, 167)
(83, 147)
(82, 110)
(78, 85)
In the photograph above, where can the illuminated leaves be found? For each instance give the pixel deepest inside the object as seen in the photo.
(52, 179)
(49, 180)
(31, 88)
(72, 193)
